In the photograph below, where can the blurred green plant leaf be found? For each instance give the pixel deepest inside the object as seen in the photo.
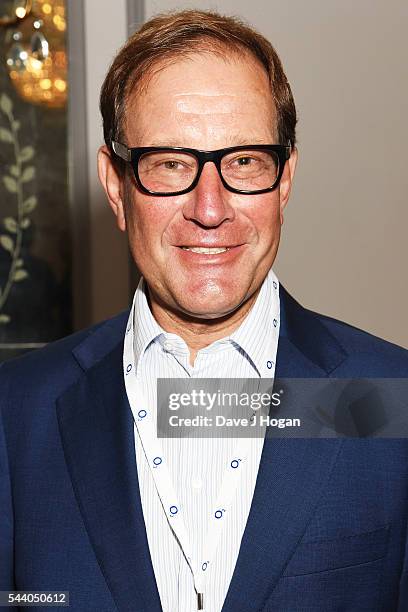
(7, 243)
(10, 224)
(20, 275)
(15, 171)
(6, 104)
(4, 319)
(5, 135)
(19, 263)
(29, 204)
(10, 184)
(28, 174)
(25, 223)
(26, 153)
(16, 125)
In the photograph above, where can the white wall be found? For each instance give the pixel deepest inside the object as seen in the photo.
(105, 32)
(344, 244)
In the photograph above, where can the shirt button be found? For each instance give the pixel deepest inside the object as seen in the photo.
(196, 483)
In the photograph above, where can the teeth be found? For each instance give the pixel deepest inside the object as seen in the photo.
(206, 250)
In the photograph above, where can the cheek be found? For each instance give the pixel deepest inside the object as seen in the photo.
(148, 220)
(265, 217)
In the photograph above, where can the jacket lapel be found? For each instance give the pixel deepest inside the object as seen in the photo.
(293, 473)
(96, 428)
(97, 433)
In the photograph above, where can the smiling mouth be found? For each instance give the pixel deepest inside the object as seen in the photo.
(207, 250)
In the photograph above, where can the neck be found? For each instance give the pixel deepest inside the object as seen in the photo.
(198, 333)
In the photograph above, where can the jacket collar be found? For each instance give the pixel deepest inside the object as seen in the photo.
(301, 330)
(97, 433)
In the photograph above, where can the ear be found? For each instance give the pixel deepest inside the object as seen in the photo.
(113, 185)
(285, 184)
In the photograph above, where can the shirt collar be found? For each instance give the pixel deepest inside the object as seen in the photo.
(146, 328)
(257, 336)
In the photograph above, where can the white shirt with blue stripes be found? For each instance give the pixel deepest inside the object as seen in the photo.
(196, 464)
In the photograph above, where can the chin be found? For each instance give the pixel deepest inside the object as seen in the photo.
(207, 308)
(209, 298)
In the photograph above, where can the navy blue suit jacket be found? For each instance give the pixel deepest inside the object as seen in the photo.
(328, 522)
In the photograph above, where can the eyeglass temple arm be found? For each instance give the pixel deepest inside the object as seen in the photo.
(121, 151)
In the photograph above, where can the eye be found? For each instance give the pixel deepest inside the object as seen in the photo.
(244, 160)
(172, 164)
(169, 164)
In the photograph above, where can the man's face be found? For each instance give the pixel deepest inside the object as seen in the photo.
(205, 103)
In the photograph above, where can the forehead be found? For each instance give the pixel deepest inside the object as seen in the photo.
(202, 94)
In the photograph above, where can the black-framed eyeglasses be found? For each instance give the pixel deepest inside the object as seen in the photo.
(169, 171)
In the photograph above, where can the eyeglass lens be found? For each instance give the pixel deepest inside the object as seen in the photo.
(170, 171)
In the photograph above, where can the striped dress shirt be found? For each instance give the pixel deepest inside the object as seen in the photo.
(197, 464)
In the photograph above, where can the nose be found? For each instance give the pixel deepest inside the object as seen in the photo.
(209, 202)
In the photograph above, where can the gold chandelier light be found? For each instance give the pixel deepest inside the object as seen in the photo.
(36, 57)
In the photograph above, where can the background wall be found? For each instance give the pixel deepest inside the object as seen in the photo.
(105, 31)
(344, 245)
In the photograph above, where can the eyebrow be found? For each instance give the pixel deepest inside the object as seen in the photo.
(232, 140)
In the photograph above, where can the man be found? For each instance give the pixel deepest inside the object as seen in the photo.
(199, 160)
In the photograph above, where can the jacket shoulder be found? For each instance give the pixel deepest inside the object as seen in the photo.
(374, 354)
(343, 349)
(58, 364)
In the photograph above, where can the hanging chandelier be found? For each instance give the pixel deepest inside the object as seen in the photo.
(36, 58)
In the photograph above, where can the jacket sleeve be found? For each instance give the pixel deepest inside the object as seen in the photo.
(403, 584)
(6, 507)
